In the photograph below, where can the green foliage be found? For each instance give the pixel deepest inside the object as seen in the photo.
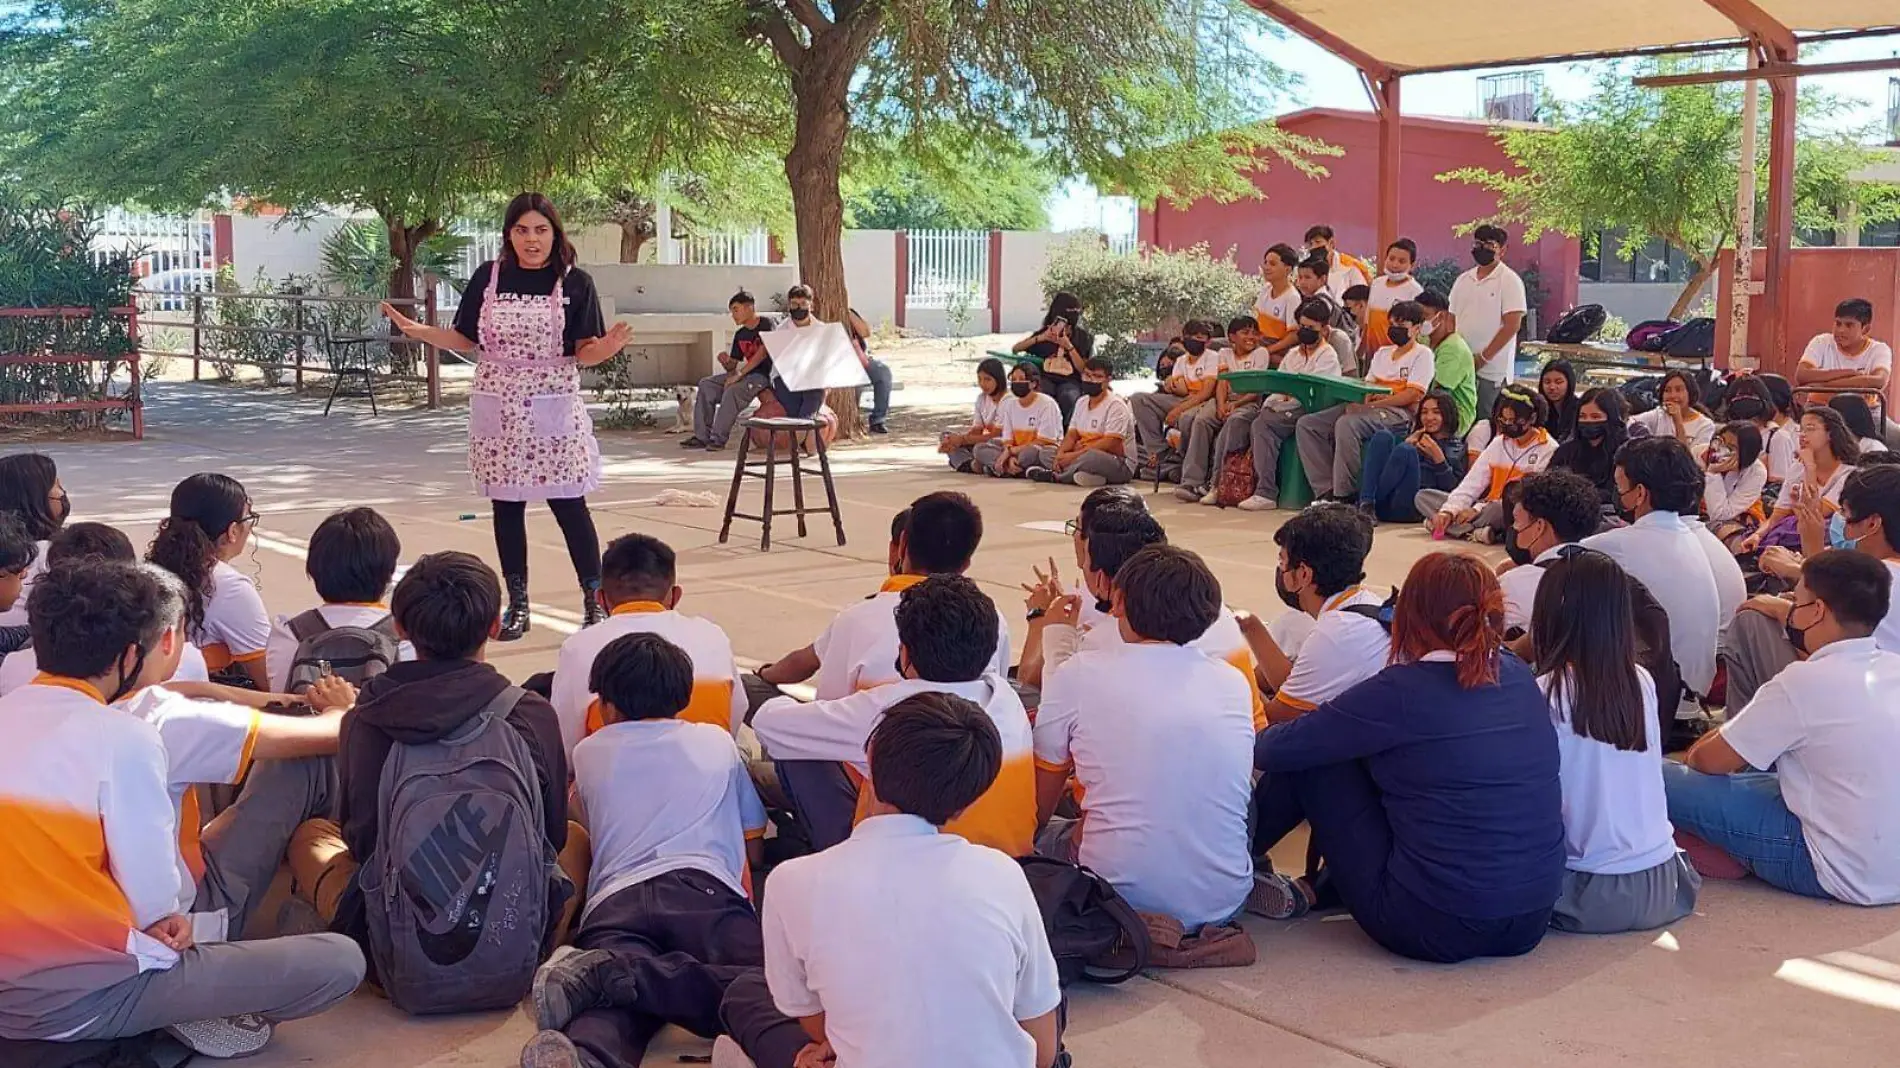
(44, 263)
(1127, 294)
(948, 185)
(1614, 329)
(357, 261)
(1439, 275)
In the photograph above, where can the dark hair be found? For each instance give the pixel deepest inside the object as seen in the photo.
(203, 507)
(1315, 309)
(994, 368)
(26, 481)
(1747, 398)
(948, 626)
(1097, 363)
(1451, 601)
(1663, 466)
(801, 291)
(1874, 490)
(1029, 370)
(942, 533)
(1489, 232)
(1198, 326)
(1876, 458)
(1065, 305)
(17, 547)
(1332, 539)
(1433, 299)
(446, 605)
(1840, 440)
(1319, 263)
(1356, 292)
(1447, 410)
(898, 523)
(1854, 586)
(353, 556)
(1410, 246)
(1780, 392)
(1566, 500)
(1240, 323)
(1168, 594)
(1747, 442)
(642, 676)
(1583, 629)
(82, 540)
(83, 616)
(1612, 404)
(1320, 232)
(1855, 413)
(637, 567)
(1106, 497)
(742, 297)
(1561, 367)
(1527, 403)
(1286, 254)
(1689, 385)
(933, 755)
(522, 204)
(1408, 310)
(1855, 308)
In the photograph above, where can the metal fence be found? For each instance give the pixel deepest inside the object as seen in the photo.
(947, 268)
(1123, 243)
(170, 254)
(724, 250)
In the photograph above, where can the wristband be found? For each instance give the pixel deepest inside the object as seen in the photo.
(1035, 614)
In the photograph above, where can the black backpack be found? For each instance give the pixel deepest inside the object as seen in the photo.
(1693, 338)
(1577, 325)
(1086, 919)
(354, 654)
(1379, 613)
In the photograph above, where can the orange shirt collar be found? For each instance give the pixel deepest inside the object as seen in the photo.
(900, 583)
(633, 607)
(75, 685)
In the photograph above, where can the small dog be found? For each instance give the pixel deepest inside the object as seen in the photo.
(683, 398)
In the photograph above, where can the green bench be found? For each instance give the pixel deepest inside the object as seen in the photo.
(1316, 393)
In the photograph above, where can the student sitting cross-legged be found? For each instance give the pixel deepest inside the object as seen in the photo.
(1156, 734)
(1622, 871)
(1029, 421)
(1519, 446)
(1322, 564)
(1820, 824)
(351, 562)
(98, 945)
(946, 639)
(905, 945)
(639, 587)
(675, 825)
(1432, 788)
(1097, 450)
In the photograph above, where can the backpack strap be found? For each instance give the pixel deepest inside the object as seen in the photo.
(386, 626)
(307, 625)
(498, 707)
(1134, 932)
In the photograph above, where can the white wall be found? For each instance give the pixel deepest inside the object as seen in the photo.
(870, 274)
(639, 288)
(278, 247)
(1634, 302)
(1025, 255)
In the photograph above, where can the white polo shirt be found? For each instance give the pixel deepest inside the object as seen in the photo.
(989, 412)
(1731, 586)
(1096, 419)
(1783, 450)
(1479, 304)
(1616, 819)
(718, 694)
(1384, 292)
(280, 655)
(1887, 635)
(1191, 371)
(1503, 461)
(1661, 550)
(1700, 427)
(1222, 641)
(1257, 360)
(1343, 650)
(1520, 586)
(1347, 271)
(1824, 354)
(1830, 727)
(1395, 370)
(921, 949)
(858, 650)
(236, 626)
(1160, 739)
(1275, 315)
(1323, 360)
(1038, 421)
(21, 665)
(662, 795)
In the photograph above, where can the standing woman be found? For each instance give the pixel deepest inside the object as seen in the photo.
(30, 491)
(535, 320)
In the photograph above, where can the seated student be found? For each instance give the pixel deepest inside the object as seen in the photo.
(1201, 456)
(1096, 450)
(1859, 419)
(1115, 509)
(98, 948)
(946, 637)
(903, 915)
(1331, 442)
(31, 492)
(1558, 386)
(1454, 368)
(445, 606)
(1030, 420)
(676, 827)
(1623, 871)
(1062, 346)
(18, 553)
(877, 370)
(937, 535)
(1781, 439)
(992, 385)
(1519, 446)
(1757, 646)
(1591, 450)
(1821, 823)
(1828, 453)
(745, 372)
(352, 562)
(1432, 788)
(1265, 427)
(1847, 356)
(1396, 284)
(1163, 798)
(1731, 493)
(1354, 301)
(210, 523)
(1678, 414)
(1185, 394)
(1398, 467)
(1274, 308)
(1553, 510)
(639, 588)
(1322, 562)
(1310, 282)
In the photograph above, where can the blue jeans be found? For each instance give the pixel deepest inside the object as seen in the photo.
(1390, 478)
(1743, 815)
(881, 380)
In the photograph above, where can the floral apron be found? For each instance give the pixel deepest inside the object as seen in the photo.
(529, 435)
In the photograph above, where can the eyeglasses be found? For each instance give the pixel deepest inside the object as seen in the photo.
(1071, 528)
(250, 520)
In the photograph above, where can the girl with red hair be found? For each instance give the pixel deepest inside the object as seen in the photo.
(1432, 787)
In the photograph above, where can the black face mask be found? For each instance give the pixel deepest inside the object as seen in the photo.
(1194, 346)
(1400, 335)
(1105, 606)
(1091, 389)
(801, 314)
(1021, 389)
(1287, 597)
(1482, 256)
(1624, 511)
(1798, 636)
(1593, 432)
(1309, 336)
(1512, 429)
(1518, 554)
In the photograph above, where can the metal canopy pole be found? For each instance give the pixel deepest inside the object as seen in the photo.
(1390, 137)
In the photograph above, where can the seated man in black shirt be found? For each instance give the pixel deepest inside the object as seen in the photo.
(747, 370)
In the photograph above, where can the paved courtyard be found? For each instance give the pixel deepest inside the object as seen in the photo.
(1755, 977)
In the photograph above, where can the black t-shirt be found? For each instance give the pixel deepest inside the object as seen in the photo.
(578, 297)
(746, 341)
(1083, 341)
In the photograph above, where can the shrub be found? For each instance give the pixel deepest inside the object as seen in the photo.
(44, 262)
(1127, 294)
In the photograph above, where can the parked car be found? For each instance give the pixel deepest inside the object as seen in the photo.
(175, 287)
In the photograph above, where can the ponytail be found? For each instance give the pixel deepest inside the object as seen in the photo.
(1451, 602)
(203, 507)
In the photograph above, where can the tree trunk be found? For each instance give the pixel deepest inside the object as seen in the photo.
(630, 242)
(1704, 269)
(404, 243)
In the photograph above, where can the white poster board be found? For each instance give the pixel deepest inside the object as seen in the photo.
(815, 357)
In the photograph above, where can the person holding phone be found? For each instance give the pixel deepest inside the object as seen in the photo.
(1063, 346)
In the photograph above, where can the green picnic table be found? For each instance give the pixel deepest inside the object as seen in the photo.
(1011, 359)
(1316, 393)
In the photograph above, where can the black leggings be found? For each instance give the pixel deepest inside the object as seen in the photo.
(577, 526)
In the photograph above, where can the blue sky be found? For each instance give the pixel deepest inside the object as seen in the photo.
(1331, 82)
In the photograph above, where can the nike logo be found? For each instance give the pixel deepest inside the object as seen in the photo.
(450, 879)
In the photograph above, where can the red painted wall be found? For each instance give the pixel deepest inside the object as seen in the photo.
(1346, 200)
(1820, 278)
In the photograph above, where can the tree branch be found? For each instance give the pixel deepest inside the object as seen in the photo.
(806, 11)
(770, 23)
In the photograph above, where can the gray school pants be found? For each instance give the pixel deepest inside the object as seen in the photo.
(962, 454)
(1269, 432)
(989, 453)
(1200, 429)
(1430, 502)
(1151, 430)
(245, 845)
(719, 405)
(1637, 901)
(1113, 470)
(1332, 444)
(1755, 648)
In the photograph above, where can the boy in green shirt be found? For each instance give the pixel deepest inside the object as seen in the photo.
(1455, 368)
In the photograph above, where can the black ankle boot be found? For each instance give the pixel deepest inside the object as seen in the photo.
(591, 611)
(514, 619)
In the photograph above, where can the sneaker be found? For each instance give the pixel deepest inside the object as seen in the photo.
(1039, 474)
(1278, 897)
(1089, 480)
(693, 443)
(1257, 503)
(223, 1038)
(715, 446)
(1174, 438)
(879, 428)
(1480, 535)
(1211, 498)
(567, 985)
(1188, 493)
(1369, 510)
(728, 1054)
(966, 467)
(552, 1049)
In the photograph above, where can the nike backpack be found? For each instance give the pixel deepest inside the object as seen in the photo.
(462, 887)
(354, 654)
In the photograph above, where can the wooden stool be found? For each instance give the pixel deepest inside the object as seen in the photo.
(744, 469)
